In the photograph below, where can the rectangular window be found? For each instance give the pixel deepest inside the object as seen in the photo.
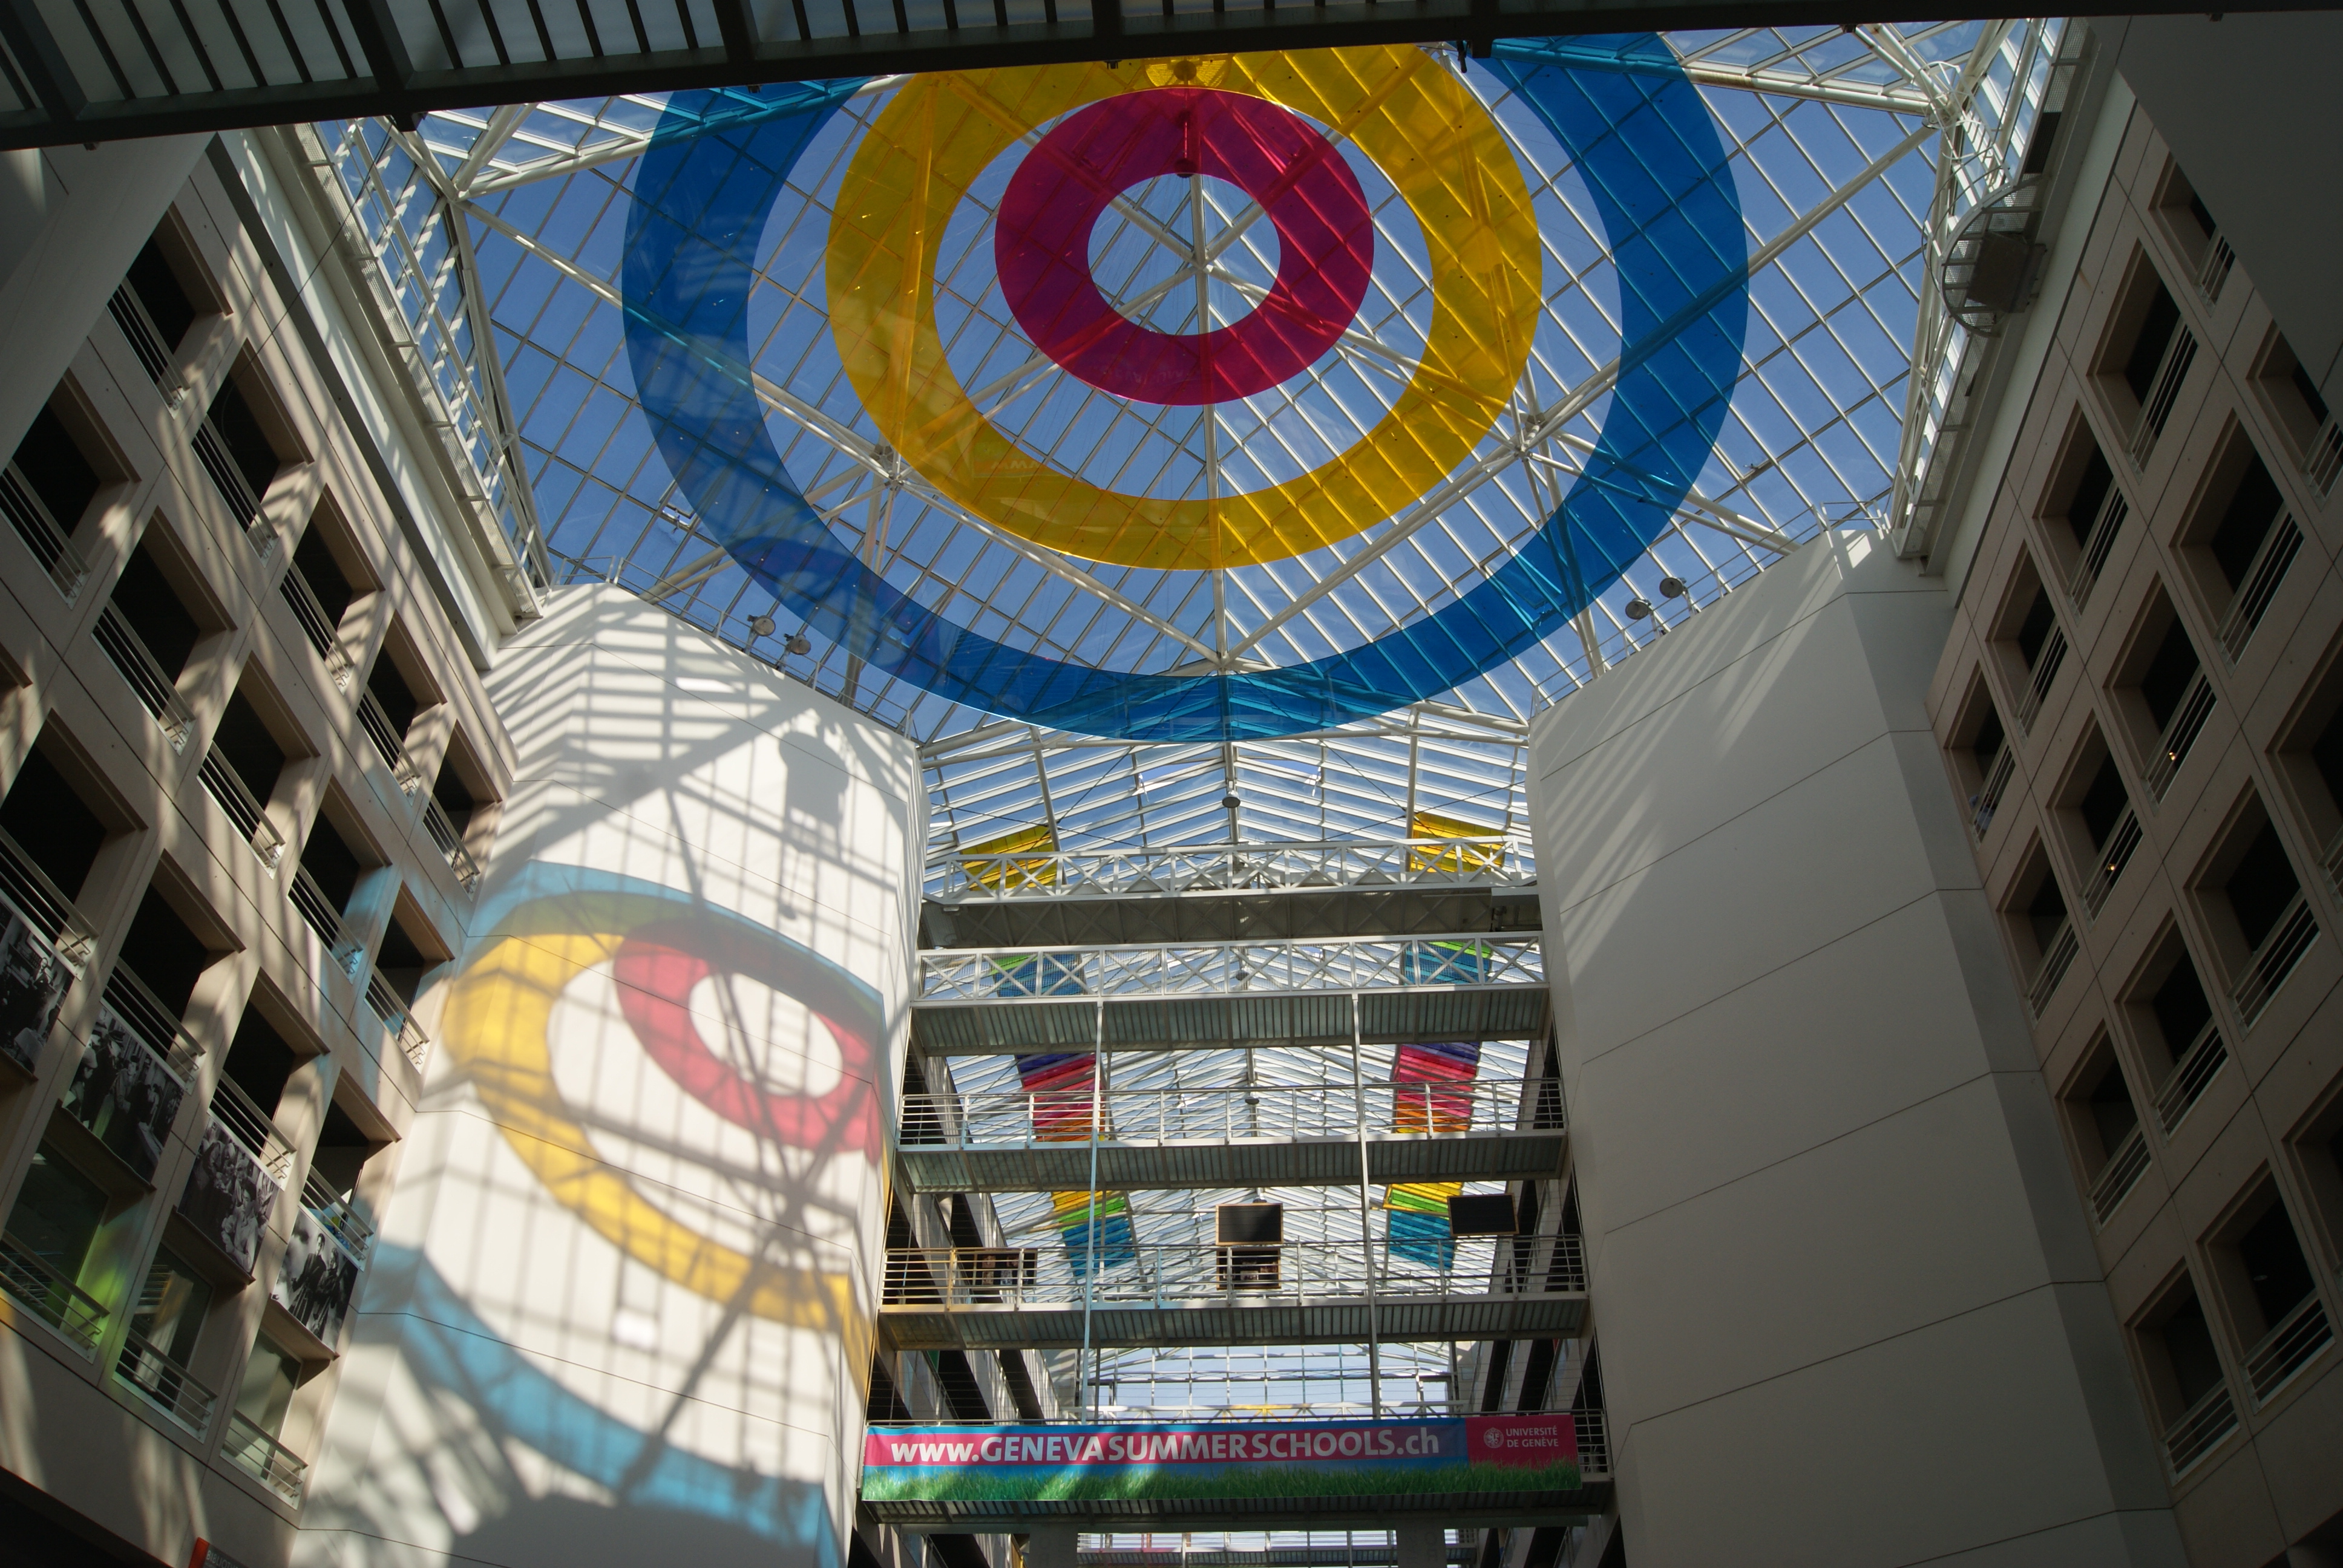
(2188, 1390)
(2162, 689)
(2254, 902)
(2104, 1124)
(2266, 1285)
(2147, 358)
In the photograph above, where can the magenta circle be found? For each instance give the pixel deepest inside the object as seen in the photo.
(1040, 242)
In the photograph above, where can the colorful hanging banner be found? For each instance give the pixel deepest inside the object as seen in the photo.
(1418, 1228)
(1414, 1457)
(1063, 1086)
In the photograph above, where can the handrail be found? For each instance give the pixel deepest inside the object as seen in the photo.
(2323, 458)
(2189, 1077)
(2056, 959)
(1988, 800)
(2098, 545)
(2335, 860)
(2290, 1345)
(2171, 371)
(45, 905)
(50, 542)
(396, 1017)
(450, 843)
(236, 492)
(37, 1286)
(2213, 271)
(2180, 732)
(2123, 842)
(150, 1020)
(2119, 1175)
(2200, 1429)
(387, 742)
(165, 1383)
(155, 691)
(263, 1458)
(251, 1126)
(2040, 678)
(1019, 1120)
(2264, 575)
(1127, 971)
(317, 910)
(146, 345)
(1502, 861)
(234, 798)
(2283, 945)
(309, 614)
(337, 1214)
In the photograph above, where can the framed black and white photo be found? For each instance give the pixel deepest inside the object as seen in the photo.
(228, 1196)
(318, 1280)
(33, 985)
(123, 1092)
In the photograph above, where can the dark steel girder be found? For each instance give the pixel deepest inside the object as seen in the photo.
(234, 64)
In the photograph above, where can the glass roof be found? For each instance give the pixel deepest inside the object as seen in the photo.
(1830, 139)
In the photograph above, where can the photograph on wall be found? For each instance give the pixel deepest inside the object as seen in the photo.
(123, 1092)
(33, 985)
(228, 1196)
(318, 1280)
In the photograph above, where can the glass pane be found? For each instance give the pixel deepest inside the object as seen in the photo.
(57, 1213)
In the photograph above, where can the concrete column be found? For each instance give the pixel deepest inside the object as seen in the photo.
(1051, 1546)
(1422, 1546)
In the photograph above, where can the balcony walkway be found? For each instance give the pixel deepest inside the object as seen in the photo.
(1265, 1135)
(1192, 1293)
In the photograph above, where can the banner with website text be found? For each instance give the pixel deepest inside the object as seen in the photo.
(1220, 1458)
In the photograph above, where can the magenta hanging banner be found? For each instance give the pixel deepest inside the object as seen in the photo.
(1222, 1459)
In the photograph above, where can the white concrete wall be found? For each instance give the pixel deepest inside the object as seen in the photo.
(624, 1309)
(1842, 1284)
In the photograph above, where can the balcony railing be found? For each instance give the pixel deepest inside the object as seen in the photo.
(227, 790)
(1988, 800)
(311, 615)
(252, 1127)
(2197, 1433)
(155, 691)
(1237, 867)
(396, 1017)
(236, 492)
(2296, 928)
(2179, 354)
(387, 742)
(32, 1284)
(2264, 573)
(337, 1215)
(1231, 968)
(44, 905)
(1593, 1442)
(154, 355)
(2335, 860)
(1195, 1273)
(2057, 959)
(263, 1458)
(450, 843)
(2119, 1175)
(2213, 271)
(1021, 1121)
(2098, 544)
(317, 910)
(151, 1022)
(2039, 679)
(2323, 458)
(2189, 1078)
(2291, 1344)
(2180, 732)
(164, 1384)
(50, 542)
(2122, 843)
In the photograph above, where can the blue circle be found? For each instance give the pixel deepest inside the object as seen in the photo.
(1649, 153)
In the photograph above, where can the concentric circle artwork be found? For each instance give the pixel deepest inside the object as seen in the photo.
(1198, 248)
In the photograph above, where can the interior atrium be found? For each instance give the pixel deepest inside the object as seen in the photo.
(1288, 788)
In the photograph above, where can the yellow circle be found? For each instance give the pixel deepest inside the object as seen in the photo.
(1430, 138)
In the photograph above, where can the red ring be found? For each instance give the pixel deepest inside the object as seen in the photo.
(1040, 242)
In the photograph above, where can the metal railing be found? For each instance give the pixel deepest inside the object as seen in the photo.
(388, 744)
(236, 492)
(2282, 947)
(50, 542)
(1022, 1120)
(1500, 860)
(155, 691)
(2119, 1175)
(2179, 354)
(1231, 968)
(44, 905)
(2335, 860)
(263, 1458)
(2180, 732)
(2213, 271)
(317, 910)
(251, 1126)
(1988, 800)
(396, 1017)
(311, 615)
(337, 1214)
(2292, 1343)
(2057, 959)
(2098, 544)
(2264, 573)
(2186, 1084)
(228, 790)
(32, 1284)
(165, 1384)
(154, 355)
(1199, 1274)
(2198, 1431)
(2122, 843)
(150, 1020)
(2324, 458)
(1593, 1442)
(442, 828)
(2047, 662)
